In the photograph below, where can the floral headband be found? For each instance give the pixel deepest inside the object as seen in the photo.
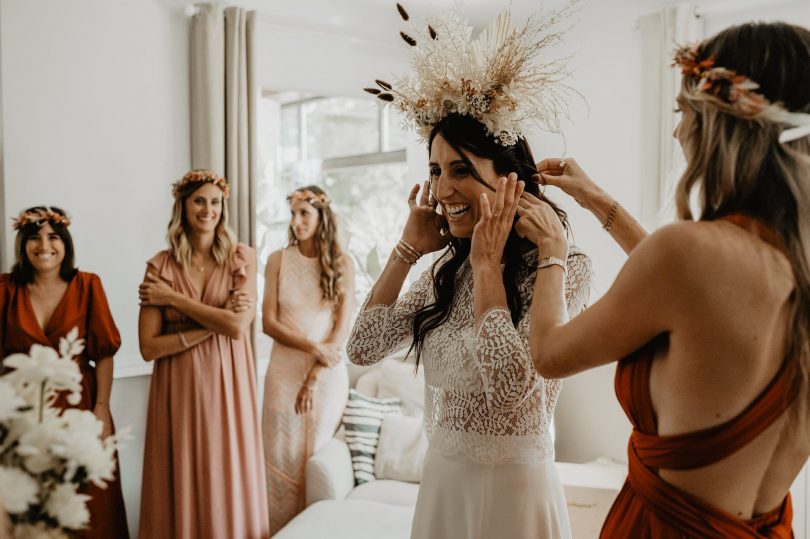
(308, 196)
(738, 92)
(494, 78)
(40, 217)
(201, 176)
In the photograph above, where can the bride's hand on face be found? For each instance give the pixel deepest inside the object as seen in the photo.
(423, 228)
(541, 225)
(493, 228)
(571, 179)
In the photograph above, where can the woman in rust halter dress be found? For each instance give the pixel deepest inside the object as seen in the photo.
(41, 300)
(709, 319)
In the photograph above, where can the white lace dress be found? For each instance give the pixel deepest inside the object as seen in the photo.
(489, 471)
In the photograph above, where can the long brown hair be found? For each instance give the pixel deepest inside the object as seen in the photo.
(739, 165)
(327, 246)
(469, 136)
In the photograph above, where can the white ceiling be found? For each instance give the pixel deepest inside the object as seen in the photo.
(377, 20)
(378, 23)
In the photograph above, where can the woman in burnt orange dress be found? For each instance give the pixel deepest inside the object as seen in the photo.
(41, 300)
(710, 317)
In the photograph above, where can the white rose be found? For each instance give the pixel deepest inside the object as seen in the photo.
(68, 507)
(18, 490)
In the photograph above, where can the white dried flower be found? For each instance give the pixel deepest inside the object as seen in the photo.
(41, 366)
(10, 402)
(495, 78)
(68, 507)
(18, 490)
(80, 446)
(40, 530)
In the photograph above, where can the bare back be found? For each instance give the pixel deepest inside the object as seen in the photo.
(726, 345)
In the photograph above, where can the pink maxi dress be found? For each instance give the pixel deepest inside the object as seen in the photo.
(202, 473)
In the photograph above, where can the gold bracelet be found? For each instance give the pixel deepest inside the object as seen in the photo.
(183, 340)
(611, 216)
(410, 249)
(402, 257)
(552, 261)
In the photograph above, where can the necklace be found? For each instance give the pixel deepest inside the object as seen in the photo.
(200, 268)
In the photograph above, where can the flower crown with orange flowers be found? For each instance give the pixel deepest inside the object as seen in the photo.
(738, 92)
(39, 217)
(317, 200)
(200, 175)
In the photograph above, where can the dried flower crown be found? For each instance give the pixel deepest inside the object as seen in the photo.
(493, 78)
(308, 196)
(39, 217)
(201, 176)
(738, 92)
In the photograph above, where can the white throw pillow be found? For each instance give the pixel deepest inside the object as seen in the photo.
(401, 449)
(398, 379)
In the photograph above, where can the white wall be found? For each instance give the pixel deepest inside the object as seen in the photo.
(95, 119)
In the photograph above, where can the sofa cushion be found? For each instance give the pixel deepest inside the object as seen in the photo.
(350, 519)
(393, 377)
(401, 449)
(386, 491)
(362, 419)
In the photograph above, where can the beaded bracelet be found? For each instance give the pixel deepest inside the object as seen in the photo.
(552, 261)
(611, 216)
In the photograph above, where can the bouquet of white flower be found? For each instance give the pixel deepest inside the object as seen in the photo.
(48, 455)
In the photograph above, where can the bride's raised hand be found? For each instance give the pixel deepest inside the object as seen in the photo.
(423, 228)
(493, 227)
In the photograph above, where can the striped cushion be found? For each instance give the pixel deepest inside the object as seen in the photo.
(362, 420)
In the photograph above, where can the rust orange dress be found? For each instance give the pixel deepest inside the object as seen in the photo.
(83, 306)
(648, 506)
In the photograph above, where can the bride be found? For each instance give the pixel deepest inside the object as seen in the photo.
(489, 470)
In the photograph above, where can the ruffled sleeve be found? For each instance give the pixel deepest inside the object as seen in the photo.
(102, 338)
(164, 265)
(239, 263)
(383, 329)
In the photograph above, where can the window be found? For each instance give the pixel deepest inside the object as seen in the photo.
(352, 148)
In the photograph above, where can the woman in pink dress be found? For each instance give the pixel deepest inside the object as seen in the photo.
(203, 475)
(306, 310)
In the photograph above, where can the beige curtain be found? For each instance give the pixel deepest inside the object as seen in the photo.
(662, 158)
(223, 104)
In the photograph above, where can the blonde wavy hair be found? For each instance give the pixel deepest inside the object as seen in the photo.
(177, 235)
(327, 246)
(740, 167)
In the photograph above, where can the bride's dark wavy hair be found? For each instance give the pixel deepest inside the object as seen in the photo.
(468, 136)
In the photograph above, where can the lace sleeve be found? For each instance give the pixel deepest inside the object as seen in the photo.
(382, 329)
(502, 351)
(578, 282)
(502, 355)
(577, 292)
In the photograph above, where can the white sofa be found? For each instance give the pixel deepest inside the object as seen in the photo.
(383, 509)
